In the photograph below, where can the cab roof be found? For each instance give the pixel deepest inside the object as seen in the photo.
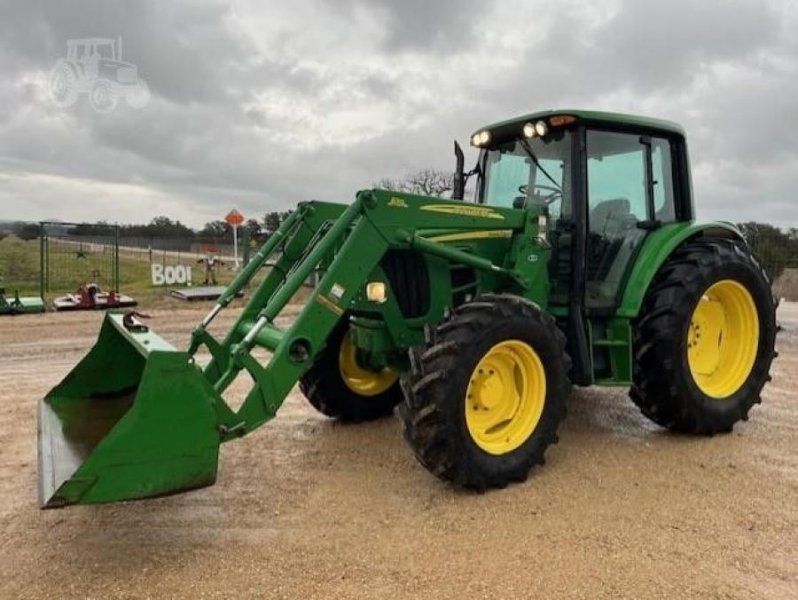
(91, 41)
(594, 117)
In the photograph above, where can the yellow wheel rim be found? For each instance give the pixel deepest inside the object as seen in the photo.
(362, 381)
(723, 339)
(505, 397)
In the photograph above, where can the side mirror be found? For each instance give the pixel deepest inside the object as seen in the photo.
(458, 185)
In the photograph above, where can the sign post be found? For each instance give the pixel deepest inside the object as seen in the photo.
(234, 219)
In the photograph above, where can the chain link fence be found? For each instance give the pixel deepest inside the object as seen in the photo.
(68, 260)
(20, 264)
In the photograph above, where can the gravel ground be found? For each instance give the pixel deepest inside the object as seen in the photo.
(307, 508)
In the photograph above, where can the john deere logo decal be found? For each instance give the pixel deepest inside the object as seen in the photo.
(397, 202)
(463, 210)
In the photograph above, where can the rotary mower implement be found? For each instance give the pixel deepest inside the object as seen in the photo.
(579, 262)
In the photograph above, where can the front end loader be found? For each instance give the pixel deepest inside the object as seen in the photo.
(578, 261)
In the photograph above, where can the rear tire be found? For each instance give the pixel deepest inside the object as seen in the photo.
(63, 85)
(499, 354)
(676, 384)
(325, 386)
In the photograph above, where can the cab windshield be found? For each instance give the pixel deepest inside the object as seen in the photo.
(524, 173)
(105, 50)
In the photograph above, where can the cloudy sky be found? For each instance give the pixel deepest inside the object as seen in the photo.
(260, 104)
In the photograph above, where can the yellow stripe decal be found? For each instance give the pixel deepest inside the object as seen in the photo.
(329, 304)
(473, 235)
(463, 210)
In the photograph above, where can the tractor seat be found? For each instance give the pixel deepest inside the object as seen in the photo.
(609, 252)
(610, 219)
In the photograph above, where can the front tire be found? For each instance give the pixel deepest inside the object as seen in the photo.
(705, 338)
(339, 387)
(138, 96)
(485, 397)
(103, 96)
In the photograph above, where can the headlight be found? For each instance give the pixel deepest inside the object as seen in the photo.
(376, 291)
(529, 130)
(541, 129)
(480, 138)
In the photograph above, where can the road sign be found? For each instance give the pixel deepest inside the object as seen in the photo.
(234, 218)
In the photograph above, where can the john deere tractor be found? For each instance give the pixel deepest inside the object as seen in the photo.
(577, 261)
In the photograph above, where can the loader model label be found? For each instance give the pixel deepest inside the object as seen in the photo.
(463, 211)
(170, 274)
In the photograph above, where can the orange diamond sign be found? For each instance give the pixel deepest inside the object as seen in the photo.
(234, 217)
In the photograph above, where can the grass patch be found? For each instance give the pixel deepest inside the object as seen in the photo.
(19, 265)
(71, 264)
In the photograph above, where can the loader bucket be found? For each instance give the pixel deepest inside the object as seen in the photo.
(134, 419)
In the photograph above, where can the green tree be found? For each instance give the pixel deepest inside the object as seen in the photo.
(253, 227)
(272, 221)
(29, 231)
(165, 227)
(215, 229)
(427, 182)
(775, 248)
(159, 227)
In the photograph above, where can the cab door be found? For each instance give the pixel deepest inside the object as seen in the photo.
(629, 192)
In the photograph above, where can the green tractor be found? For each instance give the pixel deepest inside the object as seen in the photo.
(578, 261)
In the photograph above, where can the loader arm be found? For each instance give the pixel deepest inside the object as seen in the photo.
(293, 349)
(356, 237)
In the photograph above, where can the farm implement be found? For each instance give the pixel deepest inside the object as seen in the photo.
(89, 296)
(17, 304)
(577, 261)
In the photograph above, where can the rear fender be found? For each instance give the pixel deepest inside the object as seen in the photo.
(656, 249)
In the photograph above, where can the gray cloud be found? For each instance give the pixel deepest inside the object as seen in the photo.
(419, 25)
(260, 105)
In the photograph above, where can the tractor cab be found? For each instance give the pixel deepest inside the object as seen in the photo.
(604, 181)
(93, 49)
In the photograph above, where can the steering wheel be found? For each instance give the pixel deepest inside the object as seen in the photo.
(554, 193)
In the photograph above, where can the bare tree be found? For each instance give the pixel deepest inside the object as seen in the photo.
(427, 182)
